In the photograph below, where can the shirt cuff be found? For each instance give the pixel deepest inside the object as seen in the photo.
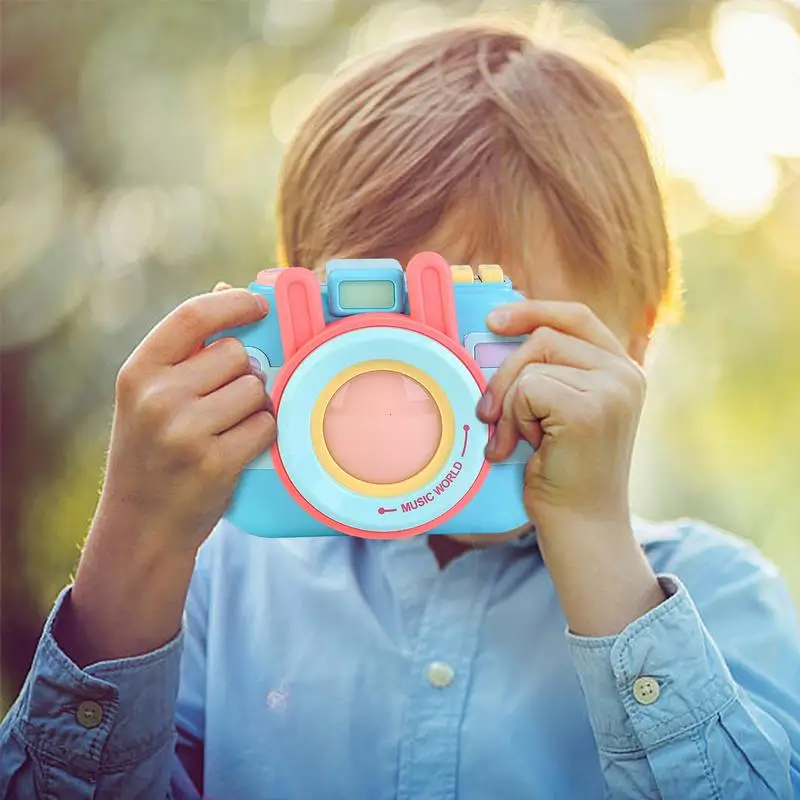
(660, 678)
(104, 717)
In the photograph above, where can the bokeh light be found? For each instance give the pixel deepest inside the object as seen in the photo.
(31, 193)
(733, 174)
(287, 22)
(759, 52)
(722, 134)
(395, 21)
(129, 225)
(291, 103)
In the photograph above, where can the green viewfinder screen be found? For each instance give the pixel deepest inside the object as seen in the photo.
(366, 294)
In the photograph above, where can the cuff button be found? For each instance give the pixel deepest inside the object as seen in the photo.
(646, 690)
(89, 714)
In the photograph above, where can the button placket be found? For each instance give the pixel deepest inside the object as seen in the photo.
(440, 665)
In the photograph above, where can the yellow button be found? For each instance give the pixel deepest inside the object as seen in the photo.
(440, 674)
(462, 273)
(490, 273)
(646, 690)
(89, 714)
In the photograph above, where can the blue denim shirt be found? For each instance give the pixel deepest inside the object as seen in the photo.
(342, 668)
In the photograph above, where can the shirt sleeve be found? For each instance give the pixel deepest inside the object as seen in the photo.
(105, 731)
(699, 698)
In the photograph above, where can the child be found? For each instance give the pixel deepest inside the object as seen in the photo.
(592, 656)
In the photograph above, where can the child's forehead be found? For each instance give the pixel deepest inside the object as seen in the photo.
(529, 255)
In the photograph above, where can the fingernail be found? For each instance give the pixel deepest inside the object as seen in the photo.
(497, 317)
(263, 302)
(485, 404)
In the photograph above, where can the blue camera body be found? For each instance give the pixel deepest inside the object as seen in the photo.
(375, 376)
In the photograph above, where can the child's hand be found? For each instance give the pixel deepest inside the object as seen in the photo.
(572, 391)
(188, 418)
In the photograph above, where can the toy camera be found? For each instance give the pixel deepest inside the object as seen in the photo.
(375, 376)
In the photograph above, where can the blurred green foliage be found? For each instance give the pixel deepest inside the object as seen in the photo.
(139, 146)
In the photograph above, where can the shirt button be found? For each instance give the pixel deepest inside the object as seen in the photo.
(440, 674)
(89, 714)
(646, 690)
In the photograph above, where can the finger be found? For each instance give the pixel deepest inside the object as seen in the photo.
(506, 435)
(577, 319)
(221, 286)
(214, 366)
(527, 425)
(251, 437)
(545, 345)
(534, 406)
(182, 332)
(229, 405)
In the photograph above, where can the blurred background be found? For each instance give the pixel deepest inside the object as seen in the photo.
(139, 148)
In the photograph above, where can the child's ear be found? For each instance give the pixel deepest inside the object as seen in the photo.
(641, 334)
(638, 348)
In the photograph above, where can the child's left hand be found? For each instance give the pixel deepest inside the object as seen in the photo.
(573, 392)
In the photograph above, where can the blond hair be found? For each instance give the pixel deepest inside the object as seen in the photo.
(483, 120)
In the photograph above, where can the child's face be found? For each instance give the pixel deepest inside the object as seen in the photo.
(543, 276)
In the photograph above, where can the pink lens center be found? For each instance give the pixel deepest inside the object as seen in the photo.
(382, 427)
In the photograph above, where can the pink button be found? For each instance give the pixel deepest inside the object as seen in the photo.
(382, 427)
(267, 277)
(493, 354)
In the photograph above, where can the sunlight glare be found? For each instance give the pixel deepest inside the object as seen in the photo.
(732, 173)
(759, 53)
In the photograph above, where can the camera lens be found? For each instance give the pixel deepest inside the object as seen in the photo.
(382, 427)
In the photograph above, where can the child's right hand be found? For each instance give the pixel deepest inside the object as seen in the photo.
(187, 420)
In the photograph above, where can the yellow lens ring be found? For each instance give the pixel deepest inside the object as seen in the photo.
(409, 485)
